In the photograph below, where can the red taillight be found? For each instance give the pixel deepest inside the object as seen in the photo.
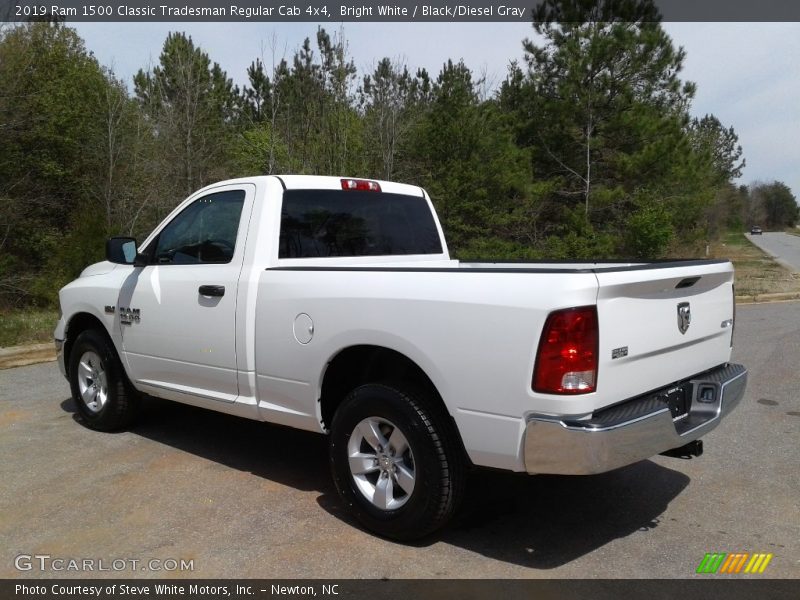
(362, 185)
(566, 362)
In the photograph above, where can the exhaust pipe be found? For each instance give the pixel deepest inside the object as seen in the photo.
(686, 451)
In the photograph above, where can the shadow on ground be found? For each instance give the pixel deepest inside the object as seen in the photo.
(540, 522)
(546, 521)
(288, 456)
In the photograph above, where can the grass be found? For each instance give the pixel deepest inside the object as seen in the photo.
(756, 272)
(27, 326)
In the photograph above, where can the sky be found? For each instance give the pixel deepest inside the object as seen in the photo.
(747, 74)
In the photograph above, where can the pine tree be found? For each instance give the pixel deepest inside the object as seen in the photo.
(190, 104)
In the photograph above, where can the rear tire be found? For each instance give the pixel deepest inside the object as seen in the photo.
(395, 462)
(103, 397)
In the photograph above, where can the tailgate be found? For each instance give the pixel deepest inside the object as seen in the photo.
(660, 324)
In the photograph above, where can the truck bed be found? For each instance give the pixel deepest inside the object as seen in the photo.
(474, 328)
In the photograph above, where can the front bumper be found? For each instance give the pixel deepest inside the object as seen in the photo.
(633, 430)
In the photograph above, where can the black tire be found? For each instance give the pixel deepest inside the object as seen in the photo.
(433, 458)
(104, 398)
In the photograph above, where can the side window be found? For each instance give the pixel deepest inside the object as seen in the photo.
(204, 232)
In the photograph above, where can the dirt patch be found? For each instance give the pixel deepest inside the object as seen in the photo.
(758, 277)
(20, 356)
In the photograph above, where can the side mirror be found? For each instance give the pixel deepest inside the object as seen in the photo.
(121, 250)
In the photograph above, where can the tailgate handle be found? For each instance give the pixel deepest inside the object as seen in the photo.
(687, 283)
(212, 290)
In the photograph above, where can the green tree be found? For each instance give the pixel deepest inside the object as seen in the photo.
(303, 115)
(604, 114)
(190, 104)
(602, 92)
(648, 231)
(729, 210)
(776, 203)
(385, 97)
(340, 123)
(259, 147)
(719, 146)
(393, 101)
(50, 95)
(258, 96)
(462, 151)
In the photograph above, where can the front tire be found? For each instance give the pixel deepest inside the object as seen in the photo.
(395, 462)
(103, 397)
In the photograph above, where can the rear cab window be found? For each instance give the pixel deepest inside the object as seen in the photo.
(337, 223)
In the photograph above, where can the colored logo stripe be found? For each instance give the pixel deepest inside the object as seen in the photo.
(711, 562)
(734, 563)
(722, 562)
(758, 563)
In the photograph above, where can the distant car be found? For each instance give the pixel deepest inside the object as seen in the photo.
(755, 230)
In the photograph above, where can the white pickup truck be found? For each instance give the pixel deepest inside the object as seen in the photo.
(332, 305)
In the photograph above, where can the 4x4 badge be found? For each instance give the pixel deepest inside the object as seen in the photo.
(684, 316)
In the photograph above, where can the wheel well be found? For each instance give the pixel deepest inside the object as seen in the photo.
(79, 323)
(359, 365)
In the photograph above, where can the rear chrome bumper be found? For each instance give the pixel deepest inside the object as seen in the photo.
(633, 430)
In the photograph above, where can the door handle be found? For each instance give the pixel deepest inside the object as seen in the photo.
(212, 290)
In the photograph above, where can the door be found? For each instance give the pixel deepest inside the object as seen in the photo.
(178, 313)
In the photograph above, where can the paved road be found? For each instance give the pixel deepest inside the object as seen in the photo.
(244, 499)
(783, 246)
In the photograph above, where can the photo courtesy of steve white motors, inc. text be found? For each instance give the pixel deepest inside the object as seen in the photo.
(138, 590)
